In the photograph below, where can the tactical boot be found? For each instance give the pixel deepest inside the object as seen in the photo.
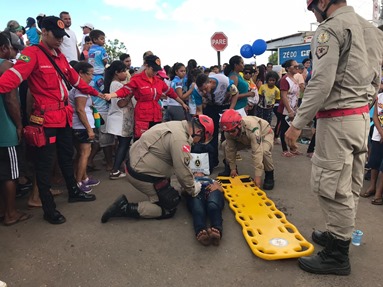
(121, 208)
(76, 195)
(333, 259)
(268, 183)
(166, 213)
(227, 170)
(320, 237)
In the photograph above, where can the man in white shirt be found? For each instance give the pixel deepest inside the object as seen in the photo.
(86, 28)
(69, 45)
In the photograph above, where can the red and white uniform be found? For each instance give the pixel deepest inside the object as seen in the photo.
(147, 92)
(48, 89)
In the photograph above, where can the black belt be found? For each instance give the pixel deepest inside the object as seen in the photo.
(141, 176)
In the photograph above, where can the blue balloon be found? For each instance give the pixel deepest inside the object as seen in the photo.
(246, 51)
(259, 47)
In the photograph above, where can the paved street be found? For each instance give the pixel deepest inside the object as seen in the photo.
(129, 252)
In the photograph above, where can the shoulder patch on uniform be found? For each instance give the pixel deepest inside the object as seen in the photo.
(323, 37)
(24, 58)
(254, 129)
(186, 148)
(187, 160)
(321, 51)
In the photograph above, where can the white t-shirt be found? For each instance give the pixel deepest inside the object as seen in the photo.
(120, 120)
(77, 124)
(376, 135)
(83, 41)
(69, 46)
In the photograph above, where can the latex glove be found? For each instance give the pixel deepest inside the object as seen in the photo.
(197, 188)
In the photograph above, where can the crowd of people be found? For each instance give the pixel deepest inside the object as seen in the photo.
(75, 101)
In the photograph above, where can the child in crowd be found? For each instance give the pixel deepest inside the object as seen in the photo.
(85, 52)
(208, 203)
(375, 160)
(268, 94)
(120, 115)
(33, 33)
(83, 128)
(98, 58)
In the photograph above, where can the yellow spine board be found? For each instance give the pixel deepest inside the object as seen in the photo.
(265, 228)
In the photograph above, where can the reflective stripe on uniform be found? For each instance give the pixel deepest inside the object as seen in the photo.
(17, 74)
(78, 81)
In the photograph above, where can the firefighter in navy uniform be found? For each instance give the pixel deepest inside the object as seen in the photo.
(161, 151)
(51, 110)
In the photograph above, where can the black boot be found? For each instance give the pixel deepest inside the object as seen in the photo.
(227, 170)
(268, 183)
(121, 208)
(333, 259)
(320, 237)
(166, 213)
(55, 218)
(75, 195)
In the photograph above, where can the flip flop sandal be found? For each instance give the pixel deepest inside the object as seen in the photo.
(377, 201)
(22, 217)
(203, 237)
(287, 154)
(215, 235)
(367, 193)
(295, 152)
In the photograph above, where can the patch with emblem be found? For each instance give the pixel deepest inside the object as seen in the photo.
(186, 148)
(321, 51)
(186, 160)
(24, 58)
(197, 163)
(323, 37)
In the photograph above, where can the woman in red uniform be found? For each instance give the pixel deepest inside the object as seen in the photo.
(147, 90)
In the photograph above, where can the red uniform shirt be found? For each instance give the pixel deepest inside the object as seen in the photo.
(147, 93)
(45, 84)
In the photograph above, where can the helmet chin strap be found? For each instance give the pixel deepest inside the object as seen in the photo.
(201, 134)
(324, 12)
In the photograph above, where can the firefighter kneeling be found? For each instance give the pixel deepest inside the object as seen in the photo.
(248, 132)
(161, 151)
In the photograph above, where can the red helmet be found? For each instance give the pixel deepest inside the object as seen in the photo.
(309, 2)
(230, 120)
(207, 126)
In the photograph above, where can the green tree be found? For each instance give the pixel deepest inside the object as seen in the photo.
(114, 49)
(273, 58)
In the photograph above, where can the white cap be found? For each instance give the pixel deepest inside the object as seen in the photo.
(41, 15)
(89, 25)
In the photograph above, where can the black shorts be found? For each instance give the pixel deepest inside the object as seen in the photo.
(375, 160)
(81, 136)
(9, 163)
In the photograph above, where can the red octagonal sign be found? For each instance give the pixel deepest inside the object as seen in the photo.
(218, 41)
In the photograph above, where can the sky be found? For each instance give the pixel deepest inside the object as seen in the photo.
(179, 30)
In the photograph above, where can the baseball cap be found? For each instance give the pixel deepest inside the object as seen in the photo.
(154, 62)
(162, 74)
(56, 25)
(41, 15)
(89, 25)
(15, 42)
(30, 22)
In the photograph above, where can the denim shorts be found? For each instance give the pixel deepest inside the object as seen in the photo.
(81, 136)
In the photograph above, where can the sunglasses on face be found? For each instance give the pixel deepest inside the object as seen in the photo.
(247, 72)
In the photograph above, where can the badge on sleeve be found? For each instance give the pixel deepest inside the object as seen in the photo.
(187, 160)
(186, 148)
(321, 51)
(323, 37)
(24, 58)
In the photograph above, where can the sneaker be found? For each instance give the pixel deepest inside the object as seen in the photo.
(91, 182)
(117, 175)
(84, 188)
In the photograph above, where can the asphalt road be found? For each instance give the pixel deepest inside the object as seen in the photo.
(130, 252)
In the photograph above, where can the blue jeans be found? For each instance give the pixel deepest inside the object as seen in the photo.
(206, 205)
